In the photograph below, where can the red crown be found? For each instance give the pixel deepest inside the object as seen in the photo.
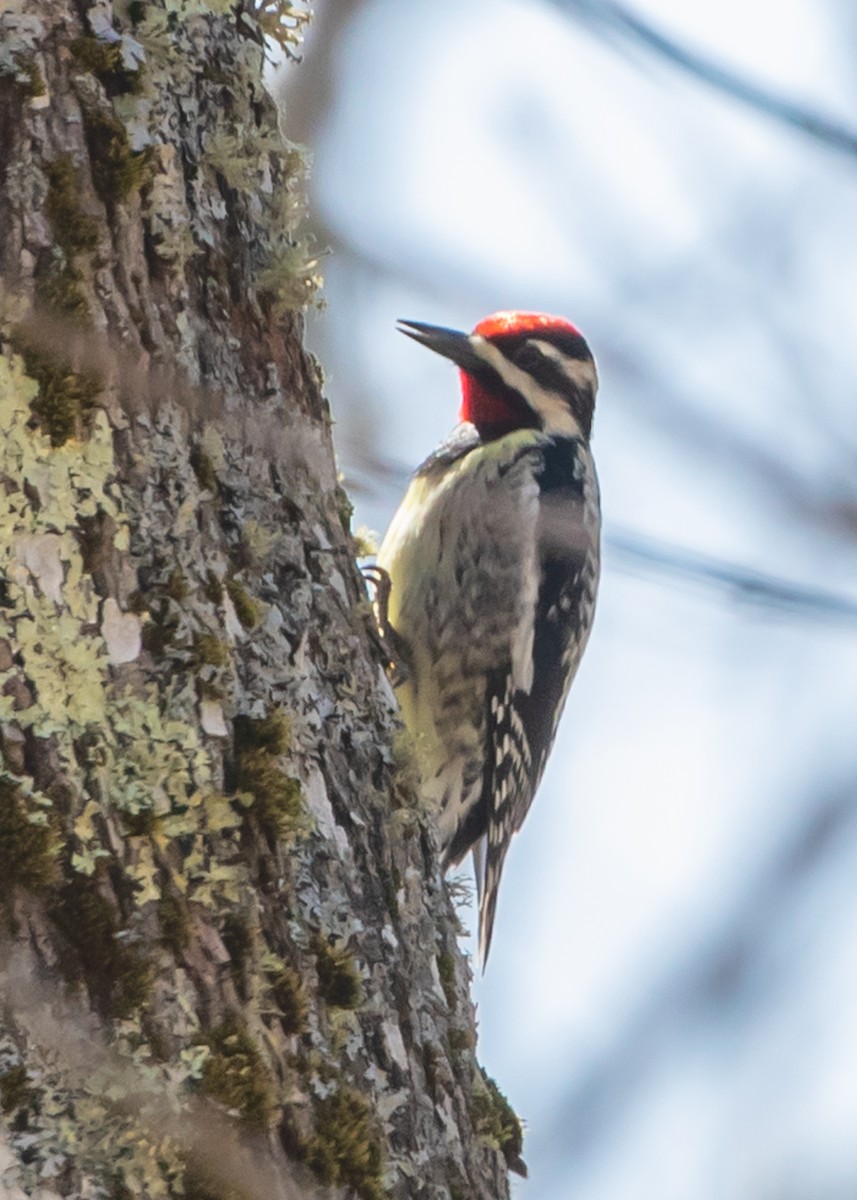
(523, 322)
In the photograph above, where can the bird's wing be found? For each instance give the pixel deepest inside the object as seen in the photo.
(522, 723)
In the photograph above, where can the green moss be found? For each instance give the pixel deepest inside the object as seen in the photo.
(117, 1188)
(431, 1055)
(460, 1041)
(288, 994)
(173, 920)
(209, 650)
(203, 468)
(65, 398)
(117, 170)
(247, 610)
(213, 588)
(446, 971)
(160, 629)
(15, 1090)
(291, 1137)
(200, 1182)
(405, 768)
(277, 797)
(213, 72)
(75, 230)
(27, 851)
(59, 288)
(157, 636)
(345, 1150)
(338, 977)
(238, 940)
(273, 733)
(141, 823)
(235, 1073)
(496, 1121)
(104, 61)
(391, 882)
(117, 977)
(345, 508)
(95, 56)
(177, 587)
(28, 77)
(59, 282)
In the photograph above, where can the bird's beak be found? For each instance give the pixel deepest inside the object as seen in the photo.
(451, 343)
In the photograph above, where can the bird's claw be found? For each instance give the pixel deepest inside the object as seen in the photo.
(392, 645)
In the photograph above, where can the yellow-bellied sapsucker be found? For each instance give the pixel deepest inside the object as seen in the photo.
(492, 563)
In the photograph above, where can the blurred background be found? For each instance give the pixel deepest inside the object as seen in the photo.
(671, 1001)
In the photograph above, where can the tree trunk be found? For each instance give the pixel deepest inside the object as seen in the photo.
(229, 958)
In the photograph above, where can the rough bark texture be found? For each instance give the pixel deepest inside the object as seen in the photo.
(224, 928)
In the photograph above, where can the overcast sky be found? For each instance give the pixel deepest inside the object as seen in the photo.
(671, 1001)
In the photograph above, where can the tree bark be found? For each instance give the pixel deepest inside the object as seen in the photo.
(229, 958)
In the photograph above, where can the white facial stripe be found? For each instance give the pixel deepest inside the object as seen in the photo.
(579, 372)
(557, 418)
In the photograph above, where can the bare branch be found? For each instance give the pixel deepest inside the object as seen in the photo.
(614, 20)
(640, 555)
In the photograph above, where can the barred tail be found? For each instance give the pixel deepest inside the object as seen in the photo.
(488, 861)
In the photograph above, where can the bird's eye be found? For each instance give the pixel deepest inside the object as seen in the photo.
(528, 357)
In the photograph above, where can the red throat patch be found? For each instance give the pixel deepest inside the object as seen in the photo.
(481, 407)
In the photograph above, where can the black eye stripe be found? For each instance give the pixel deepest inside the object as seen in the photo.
(572, 345)
(545, 371)
(528, 356)
(578, 395)
(550, 375)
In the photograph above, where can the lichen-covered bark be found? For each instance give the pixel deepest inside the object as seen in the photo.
(224, 930)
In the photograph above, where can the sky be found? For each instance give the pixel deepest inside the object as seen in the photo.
(671, 1000)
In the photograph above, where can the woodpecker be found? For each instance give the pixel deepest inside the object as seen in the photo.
(490, 570)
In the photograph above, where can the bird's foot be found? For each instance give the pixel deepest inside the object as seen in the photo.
(392, 644)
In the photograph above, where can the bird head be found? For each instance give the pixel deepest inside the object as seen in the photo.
(519, 371)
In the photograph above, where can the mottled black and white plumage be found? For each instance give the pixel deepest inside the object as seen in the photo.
(493, 564)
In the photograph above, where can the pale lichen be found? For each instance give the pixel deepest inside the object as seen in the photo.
(290, 278)
(283, 21)
(270, 172)
(173, 847)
